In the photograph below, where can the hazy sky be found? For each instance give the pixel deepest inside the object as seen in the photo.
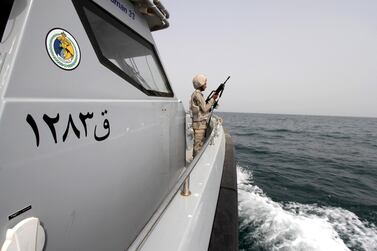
(284, 56)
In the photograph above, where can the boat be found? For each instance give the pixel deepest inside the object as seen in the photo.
(94, 144)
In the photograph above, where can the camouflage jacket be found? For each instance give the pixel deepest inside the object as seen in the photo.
(198, 107)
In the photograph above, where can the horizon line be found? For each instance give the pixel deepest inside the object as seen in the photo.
(298, 114)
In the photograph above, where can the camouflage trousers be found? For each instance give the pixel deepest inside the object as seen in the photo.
(199, 135)
(199, 138)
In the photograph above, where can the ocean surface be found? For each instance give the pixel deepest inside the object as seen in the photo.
(305, 182)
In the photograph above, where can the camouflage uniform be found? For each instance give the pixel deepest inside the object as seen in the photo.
(200, 114)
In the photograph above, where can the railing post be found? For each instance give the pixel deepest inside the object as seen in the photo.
(186, 187)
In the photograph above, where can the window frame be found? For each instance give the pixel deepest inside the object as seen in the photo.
(122, 27)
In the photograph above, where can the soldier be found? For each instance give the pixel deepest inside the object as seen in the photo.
(200, 111)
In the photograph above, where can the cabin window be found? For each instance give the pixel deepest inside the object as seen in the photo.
(5, 9)
(123, 51)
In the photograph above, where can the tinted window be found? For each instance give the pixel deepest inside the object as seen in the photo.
(5, 8)
(123, 51)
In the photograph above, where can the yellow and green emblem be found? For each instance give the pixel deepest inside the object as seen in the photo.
(63, 49)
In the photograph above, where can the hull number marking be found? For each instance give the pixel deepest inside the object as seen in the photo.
(51, 121)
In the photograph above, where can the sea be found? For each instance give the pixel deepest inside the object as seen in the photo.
(305, 182)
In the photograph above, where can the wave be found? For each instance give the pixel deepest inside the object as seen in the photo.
(336, 135)
(259, 131)
(269, 225)
(260, 150)
(246, 133)
(279, 130)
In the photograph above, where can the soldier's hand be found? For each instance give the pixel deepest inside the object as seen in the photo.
(215, 96)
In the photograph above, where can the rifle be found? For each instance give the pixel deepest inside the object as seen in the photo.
(219, 91)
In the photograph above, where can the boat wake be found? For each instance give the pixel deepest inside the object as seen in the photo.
(269, 225)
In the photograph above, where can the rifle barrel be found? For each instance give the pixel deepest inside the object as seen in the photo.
(227, 79)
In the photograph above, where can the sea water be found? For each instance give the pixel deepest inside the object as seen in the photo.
(305, 182)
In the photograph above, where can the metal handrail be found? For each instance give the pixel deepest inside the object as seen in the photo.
(145, 232)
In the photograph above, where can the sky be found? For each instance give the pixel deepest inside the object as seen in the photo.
(316, 57)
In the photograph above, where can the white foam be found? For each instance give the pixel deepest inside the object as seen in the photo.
(296, 226)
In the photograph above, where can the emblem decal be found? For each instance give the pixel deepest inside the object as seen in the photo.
(63, 49)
